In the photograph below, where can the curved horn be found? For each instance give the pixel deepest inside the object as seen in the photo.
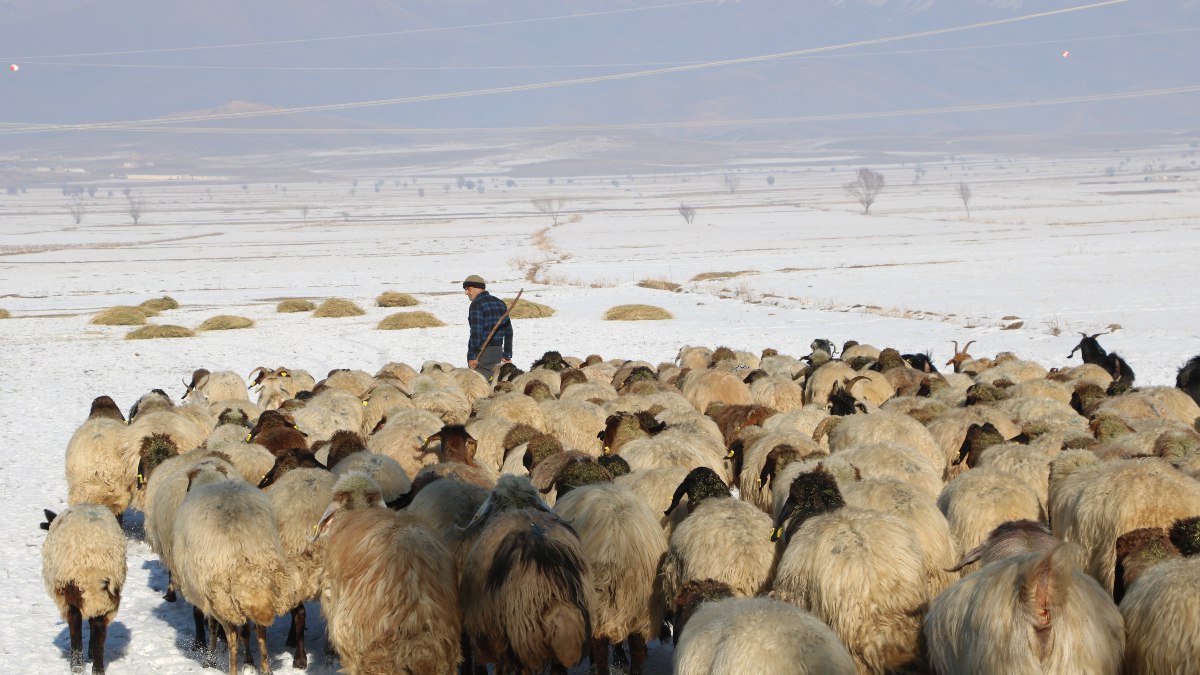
(967, 346)
(955, 343)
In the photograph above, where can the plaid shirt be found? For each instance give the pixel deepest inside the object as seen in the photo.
(486, 310)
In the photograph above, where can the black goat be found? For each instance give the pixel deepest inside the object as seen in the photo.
(1188, 378)
(1091, 352)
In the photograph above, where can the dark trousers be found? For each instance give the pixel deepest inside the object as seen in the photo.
(489, 361)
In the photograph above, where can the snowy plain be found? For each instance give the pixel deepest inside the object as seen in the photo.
(1053, 246)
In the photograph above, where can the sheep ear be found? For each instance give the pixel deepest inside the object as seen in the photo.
(974, 555)
(50, 516)
(679, 493)
(484, 511)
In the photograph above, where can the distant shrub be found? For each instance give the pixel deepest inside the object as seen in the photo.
(225, 322)
(710, 276)
(394, 299)
(121, 315)
(637, 313)
(153, 332)
(660, 284)
(528, 310)
(291, 305)
(403, 320)
(4, 314)
(337, 308)
(153, 307)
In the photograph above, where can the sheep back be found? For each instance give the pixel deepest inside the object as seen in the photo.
(99, 470)
(83, 561)
(415, 626)
(862, 573)
(1036, 613)
(759, 636)
(527, 592)
(229, 560)
(723, 539)
(299, 498)
(1160, 612)
(624, 545)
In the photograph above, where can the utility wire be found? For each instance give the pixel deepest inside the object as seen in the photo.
(330, 107)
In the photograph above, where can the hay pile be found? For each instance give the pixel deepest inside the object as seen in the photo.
(403, 320)
(153, 307)
(4, 314)
(337, 308)
(528, 310)
(121, 315)
(394, 299)
(225, 322)
(153, 332)
(290, 305)
(660, 285)
(713, 276)
(637, 313)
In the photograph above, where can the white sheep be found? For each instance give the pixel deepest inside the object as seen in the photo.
(977, 501)
(576, 423)
(229, 560)
(1160, 610)
(1093, 504)
(1033, 613)
(83, 567)
(758, 636)
(327, 412)
(624, 545)
(403, 438)
(99, 469)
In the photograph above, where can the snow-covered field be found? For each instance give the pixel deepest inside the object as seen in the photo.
(1052, 247)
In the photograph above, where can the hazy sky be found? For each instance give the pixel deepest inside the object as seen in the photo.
(714, 68)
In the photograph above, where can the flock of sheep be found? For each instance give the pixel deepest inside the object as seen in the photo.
(852, 512)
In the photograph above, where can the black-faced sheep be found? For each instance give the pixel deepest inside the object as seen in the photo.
(1159, 609)
(722, 538)
(624, 545)
(526, 587)
(860, 571)
(412, 628)
(1034, 613)
(83, 567)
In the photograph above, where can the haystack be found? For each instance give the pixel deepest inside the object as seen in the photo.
(395, 299)
(637, 313)
(121, 315)
(153, 332)
(403, 320)
(291, 305)
(337, 308)
(225, 322)
(528, 310)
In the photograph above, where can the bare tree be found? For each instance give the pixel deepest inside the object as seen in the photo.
(552, 207)
(732, 182)
(688, 213)
(865, 188)
(137, 207)
(964, 193)
(304, 213)
(76, 207)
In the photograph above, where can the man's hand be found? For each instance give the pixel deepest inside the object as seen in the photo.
(473, 364)
(505, 360)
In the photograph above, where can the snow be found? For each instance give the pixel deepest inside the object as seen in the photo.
(1057, 243)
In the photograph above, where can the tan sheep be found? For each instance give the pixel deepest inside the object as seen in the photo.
(99, 469)
(83, 568)
(415, 626)
(976, 502)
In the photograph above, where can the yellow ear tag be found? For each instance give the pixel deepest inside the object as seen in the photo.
(364, 402)
(284, 373)
(316, 529)
(249, 436)
(607, 450)
(776, 533)
(729, 455)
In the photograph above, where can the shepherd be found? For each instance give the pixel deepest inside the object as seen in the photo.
(491, 330)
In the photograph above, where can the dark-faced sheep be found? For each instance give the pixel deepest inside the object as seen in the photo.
(83, 567)
(860, 571)
(526, 588)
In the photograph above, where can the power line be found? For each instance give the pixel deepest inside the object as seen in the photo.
(571, 66)
(696, 124)
(360, 36)
(330, 107)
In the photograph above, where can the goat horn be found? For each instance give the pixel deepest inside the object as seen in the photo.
(955, 343)
(850, 383)
(968, 346)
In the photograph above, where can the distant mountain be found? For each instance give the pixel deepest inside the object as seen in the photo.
(87, 61)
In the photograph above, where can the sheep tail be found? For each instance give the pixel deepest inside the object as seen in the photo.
(568, 630)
